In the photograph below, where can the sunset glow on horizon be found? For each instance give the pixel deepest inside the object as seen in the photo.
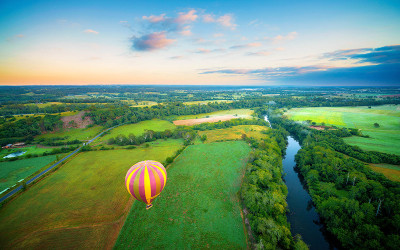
(201, 43)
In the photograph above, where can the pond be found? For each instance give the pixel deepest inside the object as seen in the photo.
(15, 154)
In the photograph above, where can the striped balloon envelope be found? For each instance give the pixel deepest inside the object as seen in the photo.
(145, 180)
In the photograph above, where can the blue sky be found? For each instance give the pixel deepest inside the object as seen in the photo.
(200, 42)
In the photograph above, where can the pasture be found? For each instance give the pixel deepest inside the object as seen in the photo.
(73, 133)
(206, 102)
(13, 171)
(234, 133)
(224, 115)
(80, 206)
(28, 150)
(198, 208)
(139, 128)
(392, 172)
(384, 138)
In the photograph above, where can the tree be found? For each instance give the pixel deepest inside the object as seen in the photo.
(376, 125)
(203, 138)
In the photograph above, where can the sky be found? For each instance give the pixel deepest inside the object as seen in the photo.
(310, 43)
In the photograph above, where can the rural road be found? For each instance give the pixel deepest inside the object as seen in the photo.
(52, 166)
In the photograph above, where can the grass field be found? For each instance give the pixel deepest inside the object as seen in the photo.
(80, 206)
(386, 138)
(139, 128)
(199, 207)
(392, 172)
(74, 133)
(206, 102)
(242, 113)
(28, 150)
(233, 133)
(13, 171)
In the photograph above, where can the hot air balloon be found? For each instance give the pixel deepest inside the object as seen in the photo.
(145, 180)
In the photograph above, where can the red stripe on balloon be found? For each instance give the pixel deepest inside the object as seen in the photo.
(142, 186)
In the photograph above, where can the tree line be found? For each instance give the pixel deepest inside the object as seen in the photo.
(358, 206)
(264, 193)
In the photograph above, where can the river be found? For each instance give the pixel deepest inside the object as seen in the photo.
(303, 218)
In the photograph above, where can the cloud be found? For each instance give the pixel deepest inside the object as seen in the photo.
(14, 38)
(248, 45)
(382, 55)
(155, 19)
(226, 20)
(153, 41)
(383, 70)
(280, 38)
(218, 35)
(259, 53)
(188, 17)
(207, 51)
(186, 31)
(89, 31)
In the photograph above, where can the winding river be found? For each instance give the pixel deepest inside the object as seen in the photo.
(303, 218)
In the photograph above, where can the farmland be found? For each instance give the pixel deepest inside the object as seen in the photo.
(233, 133)
(383, 138)
(73, 134)
(224, 115)
(392, 172)
(198, 202)
(139, 128)
(13, 171)
(81, 205)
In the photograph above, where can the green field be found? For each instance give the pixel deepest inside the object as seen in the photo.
(242, 113)
(74, 133)
(13, 171)
(139, 128)
(233, 133)
(80, 206)
(199, 207)
(385, 139)
(392, 172)
(28, 150)
(206, 102)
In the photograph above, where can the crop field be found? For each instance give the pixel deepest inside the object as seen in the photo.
(240, 113)
(199, 207)
(139, 128)
(74, 133)
(13, 171)
(82, 205)
(392, 172)
(206, 102)
(233, 133)
(385, 138)
(225, 115)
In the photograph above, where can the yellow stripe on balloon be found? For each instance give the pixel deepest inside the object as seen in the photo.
(147, 185)
(162, 172)
(129, 179)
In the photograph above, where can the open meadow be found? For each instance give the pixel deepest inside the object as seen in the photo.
(384, 138)
(234, 133)
(199, 207)
(13, 171)
(392, 172)
(80, 206)
(223, 115)
(73, 134)
(139, 128)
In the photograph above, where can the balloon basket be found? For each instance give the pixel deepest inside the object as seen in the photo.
(149, 206)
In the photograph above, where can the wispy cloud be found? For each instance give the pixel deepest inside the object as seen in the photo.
(226, 20)
(384, 68)
(280, 38)
(153, 41)
(89, 31)
(248, 45)
(14, 38)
